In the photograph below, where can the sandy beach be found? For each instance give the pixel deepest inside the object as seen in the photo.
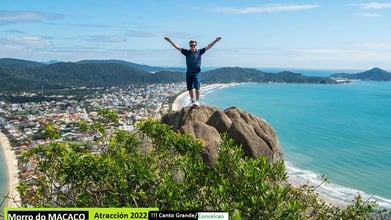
(183, 99)
(178, 102)
(12, 170)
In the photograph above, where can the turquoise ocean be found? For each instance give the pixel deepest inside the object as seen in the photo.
(342, 131)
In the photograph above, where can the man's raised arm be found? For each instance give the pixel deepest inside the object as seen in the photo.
(213, 43)
(173, 44)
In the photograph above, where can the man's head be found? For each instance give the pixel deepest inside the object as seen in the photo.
(193, 44)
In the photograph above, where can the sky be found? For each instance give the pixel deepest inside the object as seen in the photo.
(331, 34)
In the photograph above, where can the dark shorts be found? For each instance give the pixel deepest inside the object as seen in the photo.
(193, 81)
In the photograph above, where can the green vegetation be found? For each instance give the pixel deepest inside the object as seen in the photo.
(237, 74)
(169, 173)
(71, 75)
(51, 131)
(108, 73)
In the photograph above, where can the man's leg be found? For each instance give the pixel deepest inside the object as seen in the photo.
(198, 93)
(191, 93)
(197, 85)
(190, 86)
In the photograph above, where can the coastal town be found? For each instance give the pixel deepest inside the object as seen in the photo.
(23, 123)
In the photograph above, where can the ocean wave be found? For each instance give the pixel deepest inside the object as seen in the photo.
(336, 194)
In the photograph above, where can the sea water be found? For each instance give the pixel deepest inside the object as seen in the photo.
(342, 131)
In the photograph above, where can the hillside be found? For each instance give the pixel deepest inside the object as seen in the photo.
(143, 67)
(237, 74)
(21, 75)
(16, 75)
(375, 74)
(18, 64)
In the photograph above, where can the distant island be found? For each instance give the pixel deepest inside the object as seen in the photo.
(24, 75)
(375, 74)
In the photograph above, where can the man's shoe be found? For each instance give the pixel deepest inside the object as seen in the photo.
(197, 104)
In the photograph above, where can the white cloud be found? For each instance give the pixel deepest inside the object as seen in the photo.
(374, 5)
(13, 31)
(107, 38)
(263, 9)
(380, 45)
(182, 35)
(141, 34)
(24, 16)
(27, 42)
(368, 15)
(25, 47)
(356, 56)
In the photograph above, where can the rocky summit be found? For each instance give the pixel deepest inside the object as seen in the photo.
(209, 123)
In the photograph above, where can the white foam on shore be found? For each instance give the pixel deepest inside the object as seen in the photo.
(335, 194)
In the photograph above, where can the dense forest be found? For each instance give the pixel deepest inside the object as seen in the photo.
(22, 75)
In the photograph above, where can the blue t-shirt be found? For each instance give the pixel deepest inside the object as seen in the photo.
(193, 60)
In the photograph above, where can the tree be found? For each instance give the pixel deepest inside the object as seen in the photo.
(108, 116)
(170, 174)
(51, 131)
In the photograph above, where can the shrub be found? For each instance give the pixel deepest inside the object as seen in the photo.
(171, 175)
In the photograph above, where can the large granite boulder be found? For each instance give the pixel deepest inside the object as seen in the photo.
(208, 123)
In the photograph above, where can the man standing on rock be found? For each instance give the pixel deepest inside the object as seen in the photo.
(193, 63)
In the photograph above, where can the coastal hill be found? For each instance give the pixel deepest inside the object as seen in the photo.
(375, 74)
(18, 64)
(24, 75)
(238, 74)
(143, 67)
(20, 75)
